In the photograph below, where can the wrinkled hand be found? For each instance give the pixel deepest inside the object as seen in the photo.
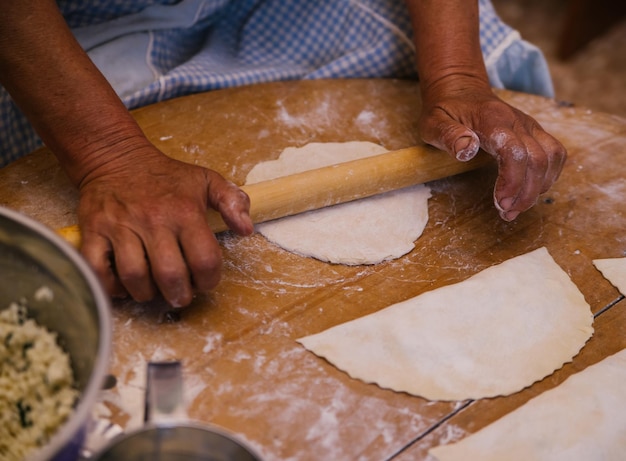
(144, 228)
(529, 159)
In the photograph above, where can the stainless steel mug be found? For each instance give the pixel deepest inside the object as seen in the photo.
(167, 434)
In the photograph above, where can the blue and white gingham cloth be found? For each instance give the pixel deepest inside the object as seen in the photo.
(152, 50)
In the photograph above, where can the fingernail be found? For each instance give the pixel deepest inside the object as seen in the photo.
(175, 303)
(465, 148)
(181, 300)
(505, 204)
(511, 215)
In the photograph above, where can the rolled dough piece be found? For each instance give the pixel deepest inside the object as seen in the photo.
(614, 270)
(366, 231)
(582, 419)
(492, 334)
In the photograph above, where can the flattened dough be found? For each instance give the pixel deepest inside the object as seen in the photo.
(492, 334)
(614, 270)
(583, 419)
(365, 231)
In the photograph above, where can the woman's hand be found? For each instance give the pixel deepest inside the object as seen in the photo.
(144, 228)
(142, 214)
(529, 159)
(460, 112)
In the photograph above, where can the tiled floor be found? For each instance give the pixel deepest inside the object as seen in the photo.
(596, 76)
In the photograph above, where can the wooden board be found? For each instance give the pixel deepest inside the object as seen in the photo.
(609, 338)
(243, 368)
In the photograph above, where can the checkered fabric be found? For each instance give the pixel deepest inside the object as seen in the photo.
(169, 48)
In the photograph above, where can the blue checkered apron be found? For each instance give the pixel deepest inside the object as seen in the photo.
(152, 50)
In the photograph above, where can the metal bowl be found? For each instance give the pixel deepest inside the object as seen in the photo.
(177, 441)
(33, 256)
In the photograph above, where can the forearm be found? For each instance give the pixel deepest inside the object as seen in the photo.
(142, 214)
(65, 97)
(460, 113)
(446, 33)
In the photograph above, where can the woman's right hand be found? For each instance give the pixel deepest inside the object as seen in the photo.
(144, 227)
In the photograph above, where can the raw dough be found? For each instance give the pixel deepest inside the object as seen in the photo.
(614, 270)
(365, 231)
(583, 419)
(492, 334)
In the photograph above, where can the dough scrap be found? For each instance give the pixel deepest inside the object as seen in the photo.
(614, 270)
(366, 231)
(582, 419)
(492, 334)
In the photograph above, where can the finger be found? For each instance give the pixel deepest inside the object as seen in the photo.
(169, 270)
(445, 133)
(555, 153)
(232, 203)
(98, 253)
(511, 157)
(203, 256)
(132, 266)
(523, 166)
(536, 167)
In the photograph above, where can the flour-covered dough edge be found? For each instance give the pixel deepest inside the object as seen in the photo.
(614, 270)
(581, 419)
(387, 347)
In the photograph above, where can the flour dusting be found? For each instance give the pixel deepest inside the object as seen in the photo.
(281, 395)
(373, 125)
(213, 341)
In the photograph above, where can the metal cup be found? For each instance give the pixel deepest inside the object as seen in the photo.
(167, 435)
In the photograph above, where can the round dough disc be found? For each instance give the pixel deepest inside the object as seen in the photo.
(366, 231)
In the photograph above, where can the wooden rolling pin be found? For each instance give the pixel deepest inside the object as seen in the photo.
(343, 182)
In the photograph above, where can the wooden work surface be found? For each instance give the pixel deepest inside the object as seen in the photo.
(243, 369)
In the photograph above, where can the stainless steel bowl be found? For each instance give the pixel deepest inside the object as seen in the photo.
(33, 256)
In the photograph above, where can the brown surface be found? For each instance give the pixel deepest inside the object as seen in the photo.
(595, 77)
(586, 20)
(243, 369)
